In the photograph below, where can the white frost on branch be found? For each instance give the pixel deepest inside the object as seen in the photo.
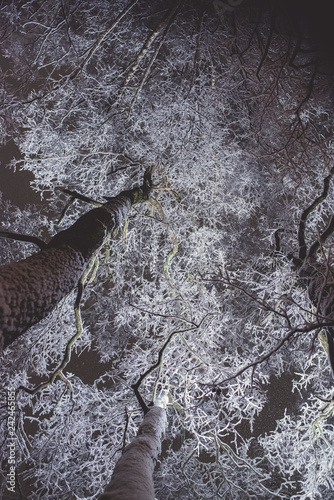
(133, 474)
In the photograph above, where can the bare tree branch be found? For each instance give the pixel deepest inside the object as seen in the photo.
(306, 213)
(24, 237)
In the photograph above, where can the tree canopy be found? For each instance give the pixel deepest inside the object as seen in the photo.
(219, 289)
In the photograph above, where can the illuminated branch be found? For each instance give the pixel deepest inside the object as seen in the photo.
(157, 50)
(158, 364)
(81, 197)
(102, 38)
(153, 313)
(132, 69)
(174, 250)
(262, 303)
(76, 196)
(311, 327)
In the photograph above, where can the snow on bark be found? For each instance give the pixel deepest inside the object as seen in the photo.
(31, 289)
(133, 475)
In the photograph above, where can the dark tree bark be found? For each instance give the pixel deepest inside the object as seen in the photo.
(318, 277)
(319, 280)
(30, 289)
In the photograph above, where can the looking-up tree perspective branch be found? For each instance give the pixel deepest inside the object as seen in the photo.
(30, 289)
(318, 276)
(133, 474)
(219, 295)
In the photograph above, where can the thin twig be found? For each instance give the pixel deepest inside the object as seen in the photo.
(157, 50)
(158, 364)
(174, 250)
(265, 357)
(101, 39)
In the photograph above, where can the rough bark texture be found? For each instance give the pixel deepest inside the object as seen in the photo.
(319, 280)
(133, 475)
(31, 288)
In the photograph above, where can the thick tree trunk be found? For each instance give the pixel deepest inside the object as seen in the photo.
(31, 288)
(319, 280)
(133, 475)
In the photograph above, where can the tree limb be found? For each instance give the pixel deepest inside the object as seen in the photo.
(24, 237)
(169, 21)
(31, 288)
(322, 238)
(306, 213)
(81, 197)
(311, 327)
(102, 38)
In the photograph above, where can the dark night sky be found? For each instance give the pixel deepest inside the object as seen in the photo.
(15, 186)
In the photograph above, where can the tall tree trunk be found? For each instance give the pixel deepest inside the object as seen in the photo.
(30, 289)
(319, 279)
(133, 475)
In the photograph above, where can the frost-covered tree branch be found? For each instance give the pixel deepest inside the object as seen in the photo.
(133, 474)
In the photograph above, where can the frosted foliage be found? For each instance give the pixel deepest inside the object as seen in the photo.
(196, 299)
(311, 435)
